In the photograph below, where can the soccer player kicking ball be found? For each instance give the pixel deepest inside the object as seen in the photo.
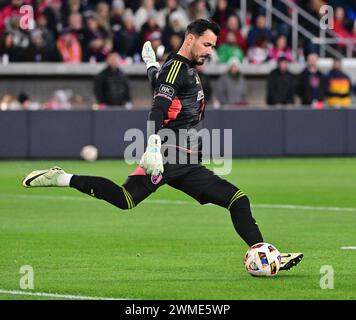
(178, 103)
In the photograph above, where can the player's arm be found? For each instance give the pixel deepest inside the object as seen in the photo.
(149, 58)
(169, 81)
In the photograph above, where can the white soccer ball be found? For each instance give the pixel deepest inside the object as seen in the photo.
(89, 153)
(262, 260)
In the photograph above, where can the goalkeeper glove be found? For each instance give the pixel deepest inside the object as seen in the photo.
(149, 56)
(151, 160)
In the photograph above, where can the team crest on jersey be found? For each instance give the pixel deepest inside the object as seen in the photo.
(156, 179)
(200, 95)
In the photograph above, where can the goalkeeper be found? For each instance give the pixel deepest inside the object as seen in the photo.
(178, 103)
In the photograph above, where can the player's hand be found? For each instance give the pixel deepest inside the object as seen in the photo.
(151, 160)
(149, 56)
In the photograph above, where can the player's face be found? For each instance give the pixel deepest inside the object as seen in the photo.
(202, 47)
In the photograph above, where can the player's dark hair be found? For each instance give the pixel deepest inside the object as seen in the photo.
(199, 26)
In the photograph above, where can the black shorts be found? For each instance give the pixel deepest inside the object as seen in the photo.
(192, 179)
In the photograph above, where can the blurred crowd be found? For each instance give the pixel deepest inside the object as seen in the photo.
(310, 88)
(113, 31)
(73, 31)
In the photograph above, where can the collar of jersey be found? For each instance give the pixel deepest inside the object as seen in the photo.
(183, 59)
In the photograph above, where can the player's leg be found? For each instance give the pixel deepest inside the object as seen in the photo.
(127, 196)
(226, 195)
(206, 187)
(123, 197)
(241, 215)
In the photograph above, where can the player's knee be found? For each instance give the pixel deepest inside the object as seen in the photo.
(241, 203)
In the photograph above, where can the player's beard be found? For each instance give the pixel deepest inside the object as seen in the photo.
(199, 60)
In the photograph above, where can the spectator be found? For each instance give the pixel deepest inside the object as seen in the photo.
(174, 43)
(117, 14)
(312, 83)
(69, 47)
(259, 31)
(148, 28)
(159, 49)
(258, 53)
(229, 49)
(73, 6)
(313, 7)
(59, 101)
(233, 25)
(340, 28)
(52, 11)
(339, 87)
(103, 11)
(143, 13)
(232, 86)
(75, 25)
(280, 49)
(198, 10)
(126, 39)
(20, 38)
(9, 103)
(26, 102)
(172, 7)
(111, 86)
(8, 51)
(280, 84)
(340, 23)
(222, 12)
(38, 51)
(10, 10)
(96, 39)
(172, 29)
(48, 35)
(98, 49)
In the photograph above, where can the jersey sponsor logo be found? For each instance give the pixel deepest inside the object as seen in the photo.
(166, 90)
(200, 95)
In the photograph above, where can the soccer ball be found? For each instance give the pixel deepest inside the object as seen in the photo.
(262, 260)
(89, 153)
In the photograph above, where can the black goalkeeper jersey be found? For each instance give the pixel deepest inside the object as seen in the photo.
(178, 100)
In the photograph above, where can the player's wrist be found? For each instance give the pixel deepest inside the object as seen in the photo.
(152, 64)
(154, 143)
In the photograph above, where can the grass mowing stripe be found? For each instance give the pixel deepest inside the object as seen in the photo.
(180, 202)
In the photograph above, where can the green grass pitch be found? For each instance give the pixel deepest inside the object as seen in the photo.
(176, 248)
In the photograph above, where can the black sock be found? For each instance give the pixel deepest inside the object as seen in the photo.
(245, 225)
(102, 188)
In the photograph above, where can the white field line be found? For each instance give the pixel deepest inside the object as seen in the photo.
(175, 202)
(348, 248)
(55, 295)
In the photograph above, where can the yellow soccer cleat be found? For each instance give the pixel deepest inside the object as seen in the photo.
(43, 178)
(290, 260)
